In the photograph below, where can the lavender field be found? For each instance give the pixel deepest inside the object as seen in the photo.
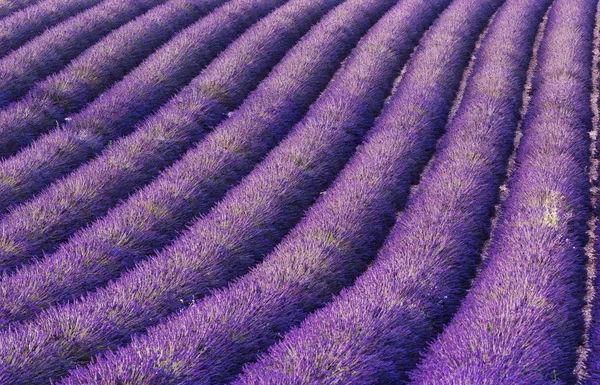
(332, 192)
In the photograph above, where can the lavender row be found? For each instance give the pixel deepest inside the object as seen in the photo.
(41, 224)
(116, 112)
(8, 7)
(157, 213)
(373, 332)
(52, 50)
(592, 360)
(30, 22)
(52, 100)
(251, 219)
(233, 325)
(522, 320)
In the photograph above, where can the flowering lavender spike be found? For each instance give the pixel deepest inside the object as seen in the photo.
(39, 226)
(28, 23)
(254, 216)
(373, 332)
(201, 177)
(8, 7)
(117, 111)
(52, 100)
(53, 49)
(232, 326)
(522, 322)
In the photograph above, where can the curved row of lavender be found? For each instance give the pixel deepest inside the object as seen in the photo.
(210, 341)
(30, 22)
(252, 218)
(592, 361)
(8, 7)
(83, 79)
(40, 225)
(522, 321)
(373, 332)
(52, 50)
(593, 357)
(155, 214)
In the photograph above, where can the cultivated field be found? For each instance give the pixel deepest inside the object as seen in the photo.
(333, 192)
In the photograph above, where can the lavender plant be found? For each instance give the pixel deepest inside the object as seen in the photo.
(194, 183)
(256, 214)
(53, 49)
(522, 320)
(373, 332)
(116, 112)
(233, 325)
(91, 190)
(52, 100)
(30, 22)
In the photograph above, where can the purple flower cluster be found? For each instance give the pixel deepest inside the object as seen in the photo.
(52, 100)
(373, 332)
(210, 341)
(50, 218)
(53, 49)
(522, 321)
(253, 216)
(30, 22)
(154, 215)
